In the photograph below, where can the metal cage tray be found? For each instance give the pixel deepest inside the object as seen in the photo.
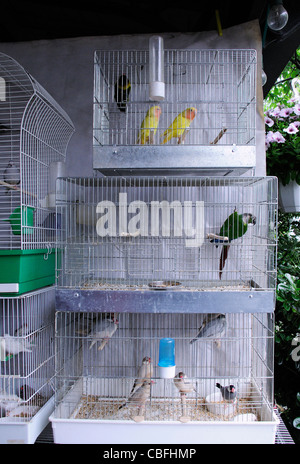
(178, 299)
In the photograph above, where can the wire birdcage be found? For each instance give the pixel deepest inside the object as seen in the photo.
(140, 236)
(27, 356)
(219, 133)
(34, 134)
(97, 380)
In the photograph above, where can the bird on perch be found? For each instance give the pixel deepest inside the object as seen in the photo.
(140, 395)
(149, 126)
(122, 91)
(234, 227)
(145, 372)
(178, 128)
(103, 330)
(11, 176)
(214, 327)
(183, 384)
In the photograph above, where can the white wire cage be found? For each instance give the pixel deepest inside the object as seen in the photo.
(124, 238)
(220, 87)
(94, 383)
(27, 356)
(34, 135)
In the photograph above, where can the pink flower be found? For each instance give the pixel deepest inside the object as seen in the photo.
(269, 121)
(277, 137)
(297, 109)
(285, 112)
(270, 137)
(291, 129)
(275, 112)
(296, 124)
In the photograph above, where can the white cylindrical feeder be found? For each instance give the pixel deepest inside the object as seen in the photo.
(156, 68)
(56, 169)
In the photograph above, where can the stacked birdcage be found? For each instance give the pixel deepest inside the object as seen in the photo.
(135, 233)
(34, 134)
(166, 284)
(98, 381)
(213, 92)
(142, 262)
(27, 364)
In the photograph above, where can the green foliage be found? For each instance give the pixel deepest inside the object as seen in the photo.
(287, 318)
(288, 288)
(283, 161)
(282, 118)
(281, 92)
(283, 148)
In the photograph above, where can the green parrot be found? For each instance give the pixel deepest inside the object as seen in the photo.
(235, 226)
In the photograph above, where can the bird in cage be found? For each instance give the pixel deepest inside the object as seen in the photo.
(103, 330)
(23, 411)
(122, 91)
(149, 126)
(178, 128)
(9, 401)
(84, 324)
(140, 395)
(145, 372)
(213, 326)
(22, 331)
(26, 393)
(15, 345)
(183, 384)
(235, 226)
(228, 393)
(11, 175)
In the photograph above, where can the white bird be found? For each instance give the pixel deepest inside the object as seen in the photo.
(15, 345)
(8, 401)
(103, 330)
(145, 372)
(183, 384)
(23, 411)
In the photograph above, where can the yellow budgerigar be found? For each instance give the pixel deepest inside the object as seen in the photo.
(149, 126)
(178, 127)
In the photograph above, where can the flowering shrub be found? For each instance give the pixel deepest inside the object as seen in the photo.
(283, 142)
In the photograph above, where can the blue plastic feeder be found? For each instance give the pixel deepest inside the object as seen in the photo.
(166, 361)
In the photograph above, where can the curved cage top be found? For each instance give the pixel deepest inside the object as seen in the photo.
(34, 134)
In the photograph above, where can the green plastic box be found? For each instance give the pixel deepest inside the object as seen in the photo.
(22, 271)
